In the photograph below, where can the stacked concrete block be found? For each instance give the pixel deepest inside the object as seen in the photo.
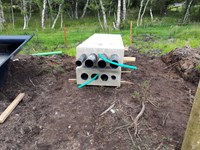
(89, 64)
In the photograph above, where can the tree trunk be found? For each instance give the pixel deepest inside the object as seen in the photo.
(139, 14)
(124, 10)
(85, 9)
(43, 13)
(144, 10)
(104, 15)
(118, 22)
(57, 16)
(187, 13)
(61, 20)
(24, 11)
(76, 10)
(50, 9)
(151, 14)
(2, 19)
(12, 14)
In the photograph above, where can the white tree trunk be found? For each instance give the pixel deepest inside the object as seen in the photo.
(12, 14)
(61, 20)
(76, 10)
(25, 13)
(2, 20)
(151, 14)
(186, 17)
(144, 10)
(104, 15)
(85, 9)
(57, 16)
(43, 13)
(124, 10)
(139, 14)
(50, 9)
(118, 22)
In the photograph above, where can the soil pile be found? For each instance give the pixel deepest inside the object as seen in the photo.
(55, 114)
(186, 61)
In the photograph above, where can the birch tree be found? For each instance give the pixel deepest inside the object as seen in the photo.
(2, 19)
(58, 14)
(142, 11)
(104, 15)
(43, 13)
(124, 10)
(85, 8)
(187, 13)
(12, 14)
(118, 21)
(26, 11)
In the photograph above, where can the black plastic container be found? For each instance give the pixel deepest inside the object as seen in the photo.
(9, 47)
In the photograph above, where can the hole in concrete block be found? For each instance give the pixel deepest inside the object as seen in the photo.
(84, 76)
(114, 66)
(104, 77)
(113, 77)
(93, 75)
(102, 64)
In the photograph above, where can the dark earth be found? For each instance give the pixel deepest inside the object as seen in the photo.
(56, 115)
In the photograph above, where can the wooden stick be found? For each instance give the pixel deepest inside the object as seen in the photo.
(131, 32)
(124, 72)
(126, 48)
(129, 59)
(191, 138)
(65, 36)
(122, 82)
(11, 107)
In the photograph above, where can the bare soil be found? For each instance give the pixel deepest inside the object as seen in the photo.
(56, 115)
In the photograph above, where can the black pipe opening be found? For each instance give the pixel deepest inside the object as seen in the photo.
(81, 60)
(104, 77)
(93, 75)
(113, 77)
(102, 63)
(114, 58)
(91, 60)
(84, 76)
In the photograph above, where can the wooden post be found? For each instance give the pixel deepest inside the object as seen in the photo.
(65, 36)
(131, 32)
(192, 135)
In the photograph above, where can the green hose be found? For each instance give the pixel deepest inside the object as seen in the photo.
(88, 82)
(117, 64)
(48, 53)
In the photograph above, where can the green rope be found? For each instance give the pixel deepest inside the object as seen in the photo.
(117, 64)
(88, 82)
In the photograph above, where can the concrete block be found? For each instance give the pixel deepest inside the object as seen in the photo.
(108, 44)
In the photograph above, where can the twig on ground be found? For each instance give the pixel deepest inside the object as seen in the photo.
(165, 119)
(171, 65)
(135, 121)
(108, 109)
(129, 133)
(31, 82)
(159, 146)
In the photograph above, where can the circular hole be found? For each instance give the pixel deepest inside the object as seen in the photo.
(114, 77)
(93, 75)
(89, 63)
(78, 63)
(104, 77)
(102, 64)
(114, 66)
(84, 76)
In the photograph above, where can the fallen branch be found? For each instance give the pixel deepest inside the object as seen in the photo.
(108, 109)
(135, 121)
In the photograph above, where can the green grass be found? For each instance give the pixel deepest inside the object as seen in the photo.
(164, 34)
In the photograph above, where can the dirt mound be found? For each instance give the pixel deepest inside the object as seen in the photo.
(55, 114)
(186, 61)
